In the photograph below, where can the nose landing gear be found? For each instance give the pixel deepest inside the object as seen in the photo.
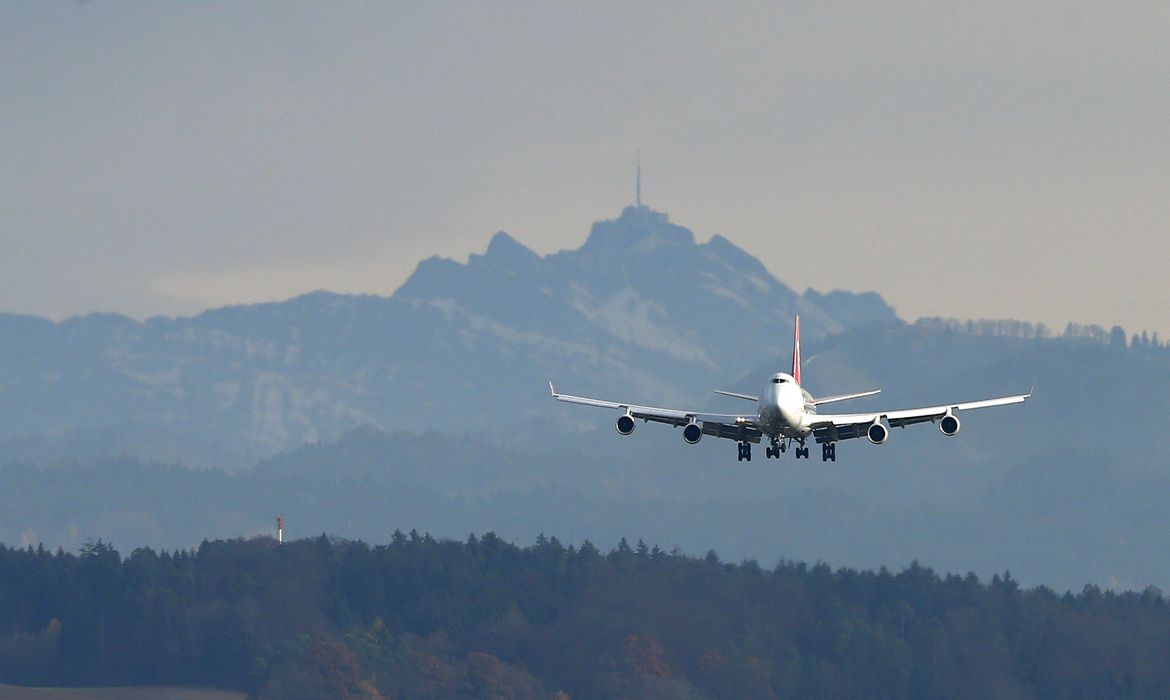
(776, 449)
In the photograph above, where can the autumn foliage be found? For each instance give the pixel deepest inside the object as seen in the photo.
(426, 618)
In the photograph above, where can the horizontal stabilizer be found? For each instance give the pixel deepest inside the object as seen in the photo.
(845, 397)
(734, 395)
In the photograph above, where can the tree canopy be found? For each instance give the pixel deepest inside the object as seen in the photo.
(482, 618)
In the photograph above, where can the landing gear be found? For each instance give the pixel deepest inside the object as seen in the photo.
(780, 446)
(745, 451)
(828, 452)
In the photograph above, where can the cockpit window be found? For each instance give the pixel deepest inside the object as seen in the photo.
(777, 380)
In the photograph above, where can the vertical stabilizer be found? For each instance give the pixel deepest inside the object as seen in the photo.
(796, 351)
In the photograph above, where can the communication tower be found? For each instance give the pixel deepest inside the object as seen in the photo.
(638, 183)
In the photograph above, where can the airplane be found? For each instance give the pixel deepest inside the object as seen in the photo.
(786, 414)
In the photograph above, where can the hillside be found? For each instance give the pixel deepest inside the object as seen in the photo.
(1022, 488)
(358, 415)
(424, 618)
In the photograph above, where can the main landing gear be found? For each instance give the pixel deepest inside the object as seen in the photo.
(745, 451)
(780, 446)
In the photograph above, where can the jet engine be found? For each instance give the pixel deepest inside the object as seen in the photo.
(949, 425)
(625, 425)
(692, 433)
(877, 433)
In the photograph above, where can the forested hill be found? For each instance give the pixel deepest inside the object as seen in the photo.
(425, 618)
(1059, 490)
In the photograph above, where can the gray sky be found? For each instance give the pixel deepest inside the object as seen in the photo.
(996, 159)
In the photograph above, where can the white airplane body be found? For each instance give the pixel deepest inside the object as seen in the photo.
(787, 414)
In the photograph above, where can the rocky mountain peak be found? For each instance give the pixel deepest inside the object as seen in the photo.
(504, 249)
(638, 229)
(640, 308)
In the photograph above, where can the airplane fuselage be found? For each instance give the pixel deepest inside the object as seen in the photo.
(785, 408)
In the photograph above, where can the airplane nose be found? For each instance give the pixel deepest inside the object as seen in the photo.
(791, 418)
(789, 406)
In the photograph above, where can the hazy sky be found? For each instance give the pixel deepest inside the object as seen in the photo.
(997, 159)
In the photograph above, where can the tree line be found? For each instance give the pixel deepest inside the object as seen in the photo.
(482, 618)
(1011, 328)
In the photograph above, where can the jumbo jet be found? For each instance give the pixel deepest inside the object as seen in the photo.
(786, 414)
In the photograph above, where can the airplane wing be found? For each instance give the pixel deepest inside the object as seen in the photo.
(734, 426)
(829, 427)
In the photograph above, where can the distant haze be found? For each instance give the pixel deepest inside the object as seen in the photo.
(992, 160)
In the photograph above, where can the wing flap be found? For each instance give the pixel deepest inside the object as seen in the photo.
(743, 432)
(833, 433)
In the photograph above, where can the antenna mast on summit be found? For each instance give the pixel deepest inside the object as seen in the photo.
(638, 187)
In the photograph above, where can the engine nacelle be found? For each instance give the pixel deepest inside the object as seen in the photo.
(625, 425)
(877, 433)
(692, 433)
(949, 425)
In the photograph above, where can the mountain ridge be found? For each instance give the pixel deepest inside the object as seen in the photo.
(450, 376)
(640, 305)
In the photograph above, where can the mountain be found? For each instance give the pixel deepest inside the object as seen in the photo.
(640, 307)
(448, 377)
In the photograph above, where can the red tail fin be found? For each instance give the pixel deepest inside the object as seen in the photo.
(796, 352)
